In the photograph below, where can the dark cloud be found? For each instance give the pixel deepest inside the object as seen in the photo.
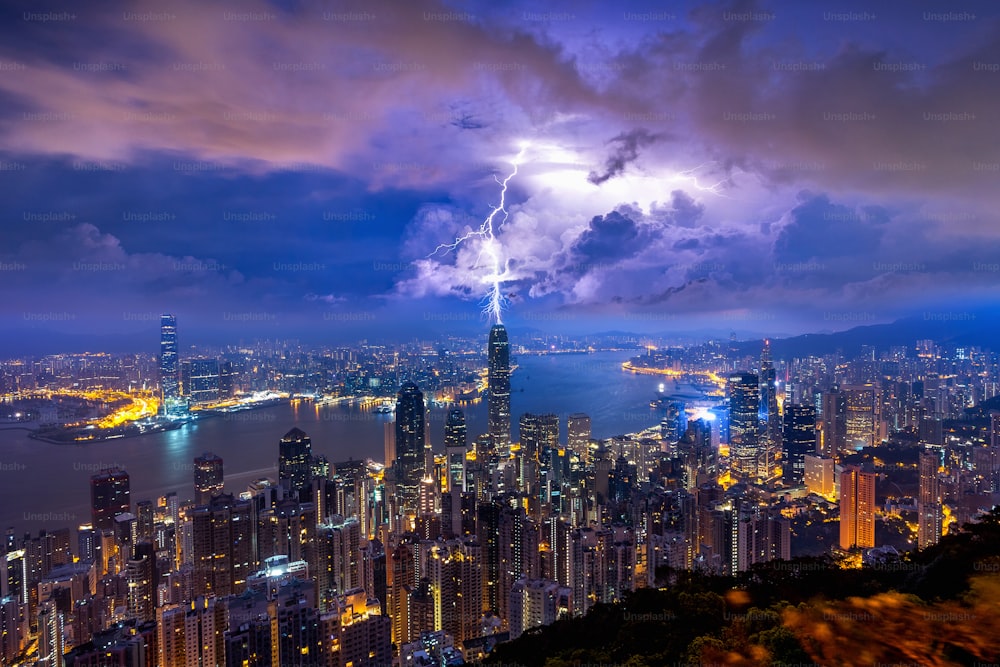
(625, 150)
(610, 238)
(820, 229)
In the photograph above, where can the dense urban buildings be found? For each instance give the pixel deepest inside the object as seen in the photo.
(471, 535)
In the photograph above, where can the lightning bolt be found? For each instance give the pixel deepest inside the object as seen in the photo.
(495, 301)
(690, 175)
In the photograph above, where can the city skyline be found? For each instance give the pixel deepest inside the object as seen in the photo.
(687, 169)
(377, 333)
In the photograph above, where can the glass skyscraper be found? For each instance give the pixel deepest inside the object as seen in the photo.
(498, 398)
(109, 497)
(744, 423)
(294, 460)
(169, 379)
(410, 427)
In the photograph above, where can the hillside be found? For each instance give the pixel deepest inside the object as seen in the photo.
(940, 606)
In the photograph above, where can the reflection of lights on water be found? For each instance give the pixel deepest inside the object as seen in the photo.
(661, 386)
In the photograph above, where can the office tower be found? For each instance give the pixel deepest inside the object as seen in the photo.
(539, 437)
(861, 416)
(294, 461)
(699, 458)
(832, 439)
(456, 446)
(223, 546)
(498, 398)
(857, 508)
(929, 501)
(410, 435)
(207, 478)
(169, 380)
(203, 381)
(109, 497)
(50, 636)
(799, 439)
(770, 420)
(578, 436)
(744, 424)
(192, 634)
(355, 633)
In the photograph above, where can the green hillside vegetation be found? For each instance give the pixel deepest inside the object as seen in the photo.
(939, 606)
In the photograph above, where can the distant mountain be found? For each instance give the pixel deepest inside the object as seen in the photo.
(960, 328)
(27, 342)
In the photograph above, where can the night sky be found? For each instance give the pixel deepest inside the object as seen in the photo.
(288, 168)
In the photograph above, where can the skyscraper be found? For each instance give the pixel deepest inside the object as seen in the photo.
(578, 436)
(203, 383)
(456, 446)
(169, 380)
(799, 439)
(770, 420)
(410, 434)
(294, 460)
(928, 501)
(744, 423)
(109, 497)
(833, 425)
(207, 477)
(861, 416)
(498, 398)
(857, 508)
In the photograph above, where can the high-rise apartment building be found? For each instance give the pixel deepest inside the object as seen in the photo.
(857, 508)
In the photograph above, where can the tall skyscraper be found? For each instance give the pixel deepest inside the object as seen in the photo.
(578, 435)
(294, 460)
(929, 511)
(833, 424)
(799, 439)
(109, 497)
(410, 434)
(861, 416)
(169, 378)
(857, 508)
(207, 477)
(744, 423)
(456, 446)
(770, 420)
(498, 398)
